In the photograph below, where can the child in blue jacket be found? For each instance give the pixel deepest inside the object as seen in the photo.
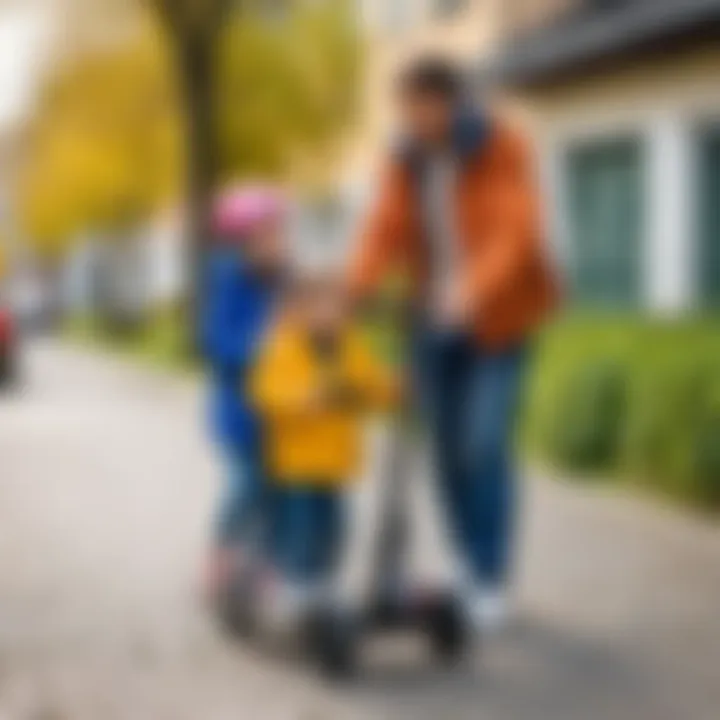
(241, 286)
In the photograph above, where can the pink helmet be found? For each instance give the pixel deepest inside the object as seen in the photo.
(241, 209)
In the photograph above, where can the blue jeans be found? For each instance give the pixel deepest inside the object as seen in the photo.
(472, 399)
(242, 516)
(308, 532)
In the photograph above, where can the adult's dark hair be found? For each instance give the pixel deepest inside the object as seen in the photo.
(432, 75)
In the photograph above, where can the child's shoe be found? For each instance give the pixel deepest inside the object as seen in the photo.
(216, 574)
(223, 565)
(285, 605)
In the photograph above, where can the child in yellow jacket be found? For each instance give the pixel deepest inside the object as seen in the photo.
(314, 383)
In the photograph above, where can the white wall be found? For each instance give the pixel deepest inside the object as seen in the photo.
(670, 257)
(78, 279)
(143, 270)
(165, 260)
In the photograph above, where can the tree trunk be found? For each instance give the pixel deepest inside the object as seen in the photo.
(198, 78)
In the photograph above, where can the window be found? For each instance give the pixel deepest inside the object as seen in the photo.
(448, 8)
(708, 265)
(605, 208)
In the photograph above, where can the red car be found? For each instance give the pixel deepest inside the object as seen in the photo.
(8, 346)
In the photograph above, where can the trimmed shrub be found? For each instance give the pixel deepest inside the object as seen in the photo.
(586, 421)
(637, 397)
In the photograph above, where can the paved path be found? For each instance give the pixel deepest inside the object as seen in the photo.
(106, 485)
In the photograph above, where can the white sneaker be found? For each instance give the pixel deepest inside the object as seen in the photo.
(489, 610)
(283, 608)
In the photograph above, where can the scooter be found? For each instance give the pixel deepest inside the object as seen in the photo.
(396, 605)
(332, 635)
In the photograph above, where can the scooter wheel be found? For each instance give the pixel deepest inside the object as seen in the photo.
(332, 642)
(235, 611)
(447, 630)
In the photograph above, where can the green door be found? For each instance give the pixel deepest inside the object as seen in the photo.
(709, 247)
(605, 207)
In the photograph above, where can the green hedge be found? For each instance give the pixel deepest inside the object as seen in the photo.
(161, 339)
(610, 397)
(631, 398)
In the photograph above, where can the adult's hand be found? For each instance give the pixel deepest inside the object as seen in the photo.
(454, 310)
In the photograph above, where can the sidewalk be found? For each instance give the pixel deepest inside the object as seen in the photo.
(106, 487)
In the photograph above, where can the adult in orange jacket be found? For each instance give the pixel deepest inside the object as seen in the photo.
(457, 214)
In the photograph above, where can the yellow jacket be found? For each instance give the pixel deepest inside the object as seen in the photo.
(310, 443)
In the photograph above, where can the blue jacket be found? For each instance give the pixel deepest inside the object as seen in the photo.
(236, 312)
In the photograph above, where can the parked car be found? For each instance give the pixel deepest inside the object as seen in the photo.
(8, 346)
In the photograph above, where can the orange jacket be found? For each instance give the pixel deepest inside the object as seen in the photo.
(502, 270)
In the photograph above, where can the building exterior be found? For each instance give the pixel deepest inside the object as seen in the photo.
(128, 276)
(624, 97)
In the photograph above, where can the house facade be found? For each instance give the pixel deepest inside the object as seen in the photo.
(141, 270)
(624, 101)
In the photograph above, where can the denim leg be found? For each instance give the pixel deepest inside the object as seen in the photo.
(491, 414)
(271, 537)
(444, 366)
(330, 532)
(311, 530)
(291, 526)
(242, 499)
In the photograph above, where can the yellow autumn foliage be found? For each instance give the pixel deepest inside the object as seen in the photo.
(106, 145)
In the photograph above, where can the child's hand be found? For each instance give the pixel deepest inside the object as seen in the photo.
(336, 394)
(328, 394)
(345, 395)
(319, 398)
(399, 390)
